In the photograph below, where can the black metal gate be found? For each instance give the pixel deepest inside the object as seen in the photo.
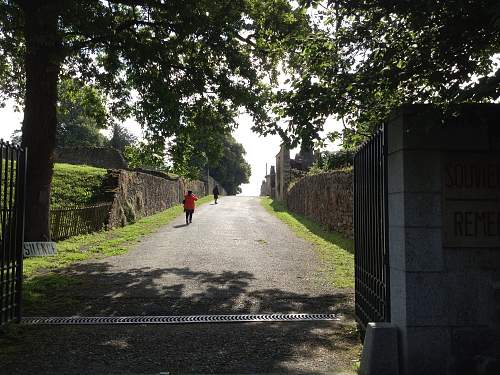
(371, 231)
(12, 187)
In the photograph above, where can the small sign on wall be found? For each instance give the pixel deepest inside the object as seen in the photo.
(39, 249)
(471, 206)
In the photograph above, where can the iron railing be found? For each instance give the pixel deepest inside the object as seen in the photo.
(372, 291)
(12, 191)
(73, 221)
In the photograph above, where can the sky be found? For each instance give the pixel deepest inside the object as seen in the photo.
(259, 150)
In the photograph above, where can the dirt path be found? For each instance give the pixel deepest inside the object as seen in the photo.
(235, 258)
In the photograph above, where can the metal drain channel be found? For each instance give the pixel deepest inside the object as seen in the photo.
(178, 319)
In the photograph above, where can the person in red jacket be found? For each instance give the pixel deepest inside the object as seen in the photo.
(189, 205)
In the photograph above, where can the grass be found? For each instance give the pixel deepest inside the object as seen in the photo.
(76, 185)
(336, 251)
(40, 280)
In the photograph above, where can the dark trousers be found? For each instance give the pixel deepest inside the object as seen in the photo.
(189, 215)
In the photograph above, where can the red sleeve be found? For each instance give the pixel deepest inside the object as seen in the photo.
(195, 197)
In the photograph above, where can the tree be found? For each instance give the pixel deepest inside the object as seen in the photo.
(146, 155)
(81, 114)
(154, 59)
(121, 138)
(365, 58)
(231, 170)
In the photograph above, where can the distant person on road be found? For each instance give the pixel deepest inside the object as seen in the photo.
(215, 192)
(189, 205)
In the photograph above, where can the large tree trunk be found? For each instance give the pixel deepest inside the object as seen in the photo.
(42, 64)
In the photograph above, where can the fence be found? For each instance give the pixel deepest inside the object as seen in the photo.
(68, 222)
(371, 231)
(12, 177)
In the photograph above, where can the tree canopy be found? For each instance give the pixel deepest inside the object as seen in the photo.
(121, 138)
(156, 60)
(81, 114)
(183, 69)
(231, 170)
(364, 58)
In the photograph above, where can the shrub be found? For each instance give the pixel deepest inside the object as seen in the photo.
(329, 161)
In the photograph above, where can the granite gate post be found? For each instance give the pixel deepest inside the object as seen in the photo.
(444, 240)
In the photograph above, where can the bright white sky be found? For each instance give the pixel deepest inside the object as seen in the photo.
(260, 150)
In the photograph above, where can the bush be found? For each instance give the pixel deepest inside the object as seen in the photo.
(330, 161)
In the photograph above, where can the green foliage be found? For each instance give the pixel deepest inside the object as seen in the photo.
(336, 251)
(329, 161)
(146, 155)
(231, 170)
(76, 185)
(161, 61)
(121, 138)
(363, 59)
(81, 113)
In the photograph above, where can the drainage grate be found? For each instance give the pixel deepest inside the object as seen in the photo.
(179, 319)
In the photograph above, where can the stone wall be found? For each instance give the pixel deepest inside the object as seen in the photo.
(325, 198)
(101, 157)
(137, 194)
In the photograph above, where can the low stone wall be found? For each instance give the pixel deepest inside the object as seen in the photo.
(325, 198)
(136, 194)
(101, 157)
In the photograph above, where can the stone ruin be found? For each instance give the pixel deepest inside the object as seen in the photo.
(276, 183)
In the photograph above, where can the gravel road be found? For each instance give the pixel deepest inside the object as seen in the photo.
(234, 258)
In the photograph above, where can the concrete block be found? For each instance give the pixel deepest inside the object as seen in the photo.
(422, 210)
(380, 350)
(475, 351)
(470, 298)
(395, 135)
(396, 208)
(472, 341)
(416, 249)
(422, 171)
(422, 249)
(426, 302)
(422, 127)
(395, 172)
(397, 250)
(425, 350)
(398, 297)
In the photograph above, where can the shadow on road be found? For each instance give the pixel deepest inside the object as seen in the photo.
(180, 226)
(95, 290)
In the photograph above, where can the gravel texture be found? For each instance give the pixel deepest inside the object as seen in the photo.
(233, 258)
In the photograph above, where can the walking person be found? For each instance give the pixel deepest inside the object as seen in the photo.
(189, 205)
(215, 192)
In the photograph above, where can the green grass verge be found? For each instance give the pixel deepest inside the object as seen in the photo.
(336, 251)
(76, 185)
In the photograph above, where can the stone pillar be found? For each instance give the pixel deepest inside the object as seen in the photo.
(272, 177)
(278, 179)
(282, 172)
(286, 175)
(444, 238)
